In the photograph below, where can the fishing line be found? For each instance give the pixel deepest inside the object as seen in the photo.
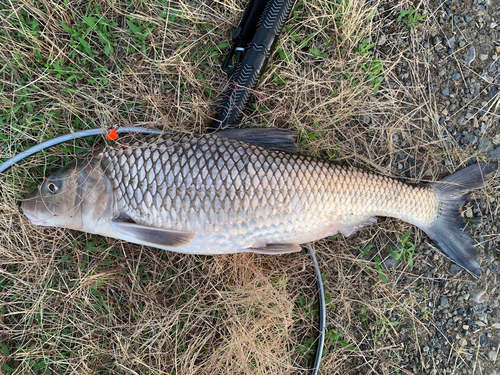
(93, 132)
(68, 137)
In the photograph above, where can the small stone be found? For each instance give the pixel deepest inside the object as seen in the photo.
(395, 137)
(469, 116)
(400, 166)
(455, 270)
(462, 342)
(445, 92)
(390, 263)
(468, 213)
(470, 56)
(492, 355)
(480, 296)
(496, 139)
(381, 41)
(456, 76)
(484, 341)
(465, 327)
(497, 48)
(480, 308)
(472, 139)
(483, 57)
(443, 302)
(484, 144)
(494, 304)
(496, 326)
(493, 91)
(365, 119)
(450, 42)
(494, 154)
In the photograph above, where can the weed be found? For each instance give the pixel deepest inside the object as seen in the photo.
(405, 253)
(410, 17)
(333, 339)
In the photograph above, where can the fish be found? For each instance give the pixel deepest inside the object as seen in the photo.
(244, 190)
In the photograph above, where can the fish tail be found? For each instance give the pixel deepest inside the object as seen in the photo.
(448, 231)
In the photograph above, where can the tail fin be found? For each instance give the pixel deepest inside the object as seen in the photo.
(449, 231)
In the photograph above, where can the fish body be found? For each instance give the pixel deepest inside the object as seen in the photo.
(225, 193)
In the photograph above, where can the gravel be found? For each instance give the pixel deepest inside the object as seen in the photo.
(462, 42)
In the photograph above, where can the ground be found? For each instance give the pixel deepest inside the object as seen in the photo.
(404, 89)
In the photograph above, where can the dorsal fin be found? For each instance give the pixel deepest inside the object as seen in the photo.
(270, 138)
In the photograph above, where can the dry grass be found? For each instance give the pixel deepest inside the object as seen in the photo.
(74, 303)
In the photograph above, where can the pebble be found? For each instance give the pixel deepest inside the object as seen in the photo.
(443, 302)
(456, 76)
(484, 341)
(484, 144)
(480, 296)
(472, 139)
(494, 154)
(480, 308)
(483, 57)
(495, 268)
(470, 56)
(468, 213)
(492, 355)
(450, 42)
(493, 91)
(381, 41)
(455, 270)
(462, 342)
(445, 92)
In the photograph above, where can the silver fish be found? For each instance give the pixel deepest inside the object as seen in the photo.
(243, 190)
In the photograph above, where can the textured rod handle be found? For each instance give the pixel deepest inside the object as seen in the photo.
(253, 62)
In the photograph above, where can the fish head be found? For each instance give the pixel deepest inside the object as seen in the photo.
(78, 196)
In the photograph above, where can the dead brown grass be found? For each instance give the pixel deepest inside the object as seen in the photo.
(74, 303)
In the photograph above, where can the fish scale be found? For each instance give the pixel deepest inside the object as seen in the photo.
(247, 193)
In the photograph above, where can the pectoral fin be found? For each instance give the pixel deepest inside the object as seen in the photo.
(153, 235)
(276, 248)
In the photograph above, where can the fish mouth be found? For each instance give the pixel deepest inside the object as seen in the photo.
(36, 221)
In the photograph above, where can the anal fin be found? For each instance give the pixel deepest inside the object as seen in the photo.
(152, 235)
(276, 248)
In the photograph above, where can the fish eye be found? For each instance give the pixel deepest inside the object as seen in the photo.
(52, 187)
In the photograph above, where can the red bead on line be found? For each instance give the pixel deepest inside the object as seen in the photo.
(112, 135)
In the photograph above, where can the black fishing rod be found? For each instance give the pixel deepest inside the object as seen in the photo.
(253, 42)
